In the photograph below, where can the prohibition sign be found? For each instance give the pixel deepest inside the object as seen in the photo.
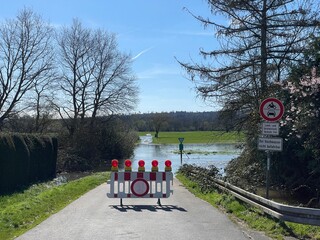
(271, 109)
(139, 187)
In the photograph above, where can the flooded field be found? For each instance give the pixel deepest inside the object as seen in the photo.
(200, 154)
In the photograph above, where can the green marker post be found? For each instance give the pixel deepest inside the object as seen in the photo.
(181, 148)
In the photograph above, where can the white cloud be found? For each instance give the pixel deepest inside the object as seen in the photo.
(142, 52)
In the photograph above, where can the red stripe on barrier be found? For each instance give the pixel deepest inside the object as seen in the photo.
(116, 176)
(163, 176)
(127, 176)
(140, 175)
(164, 195)
(129, 195)
(153, 176)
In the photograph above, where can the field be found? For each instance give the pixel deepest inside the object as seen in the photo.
(196, 137)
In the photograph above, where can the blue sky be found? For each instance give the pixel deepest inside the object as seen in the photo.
(154, 32)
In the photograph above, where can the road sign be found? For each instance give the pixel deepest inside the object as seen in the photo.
(181, 140)
(181, 147)
(140, 187)
(271, 109)
(271, 144)
(269, 128)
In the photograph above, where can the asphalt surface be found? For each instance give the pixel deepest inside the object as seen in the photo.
(181, 216)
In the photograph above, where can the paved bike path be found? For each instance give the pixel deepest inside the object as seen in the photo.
(181, 216)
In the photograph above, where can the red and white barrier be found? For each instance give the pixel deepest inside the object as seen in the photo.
(140, 184)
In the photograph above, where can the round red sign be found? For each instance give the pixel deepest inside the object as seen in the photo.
(271, 109)
(139, 187)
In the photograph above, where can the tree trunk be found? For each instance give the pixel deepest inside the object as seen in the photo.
(263, 73)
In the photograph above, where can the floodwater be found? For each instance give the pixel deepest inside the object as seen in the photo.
(202, 155)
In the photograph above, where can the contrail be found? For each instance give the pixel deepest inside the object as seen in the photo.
(142, 52)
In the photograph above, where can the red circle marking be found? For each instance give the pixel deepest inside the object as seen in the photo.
(139, 181)
(276, 116)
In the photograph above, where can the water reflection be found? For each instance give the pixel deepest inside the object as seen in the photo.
(200, 154)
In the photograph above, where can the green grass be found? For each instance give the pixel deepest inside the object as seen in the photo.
(19, 212)
(197, 137)
(254, 218)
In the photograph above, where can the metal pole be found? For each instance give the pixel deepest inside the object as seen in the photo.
(268, 174)
(181, 157)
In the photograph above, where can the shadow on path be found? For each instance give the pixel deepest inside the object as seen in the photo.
(151, 208)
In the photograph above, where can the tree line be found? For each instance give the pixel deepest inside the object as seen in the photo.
(178, 121)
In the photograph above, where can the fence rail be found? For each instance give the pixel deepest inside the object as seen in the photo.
(280, 211)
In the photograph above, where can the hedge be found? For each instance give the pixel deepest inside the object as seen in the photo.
(25, 159)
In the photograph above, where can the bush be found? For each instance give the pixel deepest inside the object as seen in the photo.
(248, 170)
(26, 159)
(93, 148)
(20, 163)
(7, 172)
(200, 175)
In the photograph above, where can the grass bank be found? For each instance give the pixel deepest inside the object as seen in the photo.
(19, 212)
(204, 137)
(252, 217)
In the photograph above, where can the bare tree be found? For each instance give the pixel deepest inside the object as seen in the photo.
(26, 56)
(158, 120)
(259, 40)
(41, 103)
(96, 76)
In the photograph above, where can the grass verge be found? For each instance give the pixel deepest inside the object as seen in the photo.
(19, 212)
(197, 137)
(252, 217)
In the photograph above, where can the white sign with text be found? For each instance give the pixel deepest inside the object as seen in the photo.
(271, 144)
(269, 128)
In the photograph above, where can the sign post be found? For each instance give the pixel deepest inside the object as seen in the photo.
(181, 148)
(271, 110)
(268, 174)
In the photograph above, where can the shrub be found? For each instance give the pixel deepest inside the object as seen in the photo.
(93, 147)
(25, 159)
